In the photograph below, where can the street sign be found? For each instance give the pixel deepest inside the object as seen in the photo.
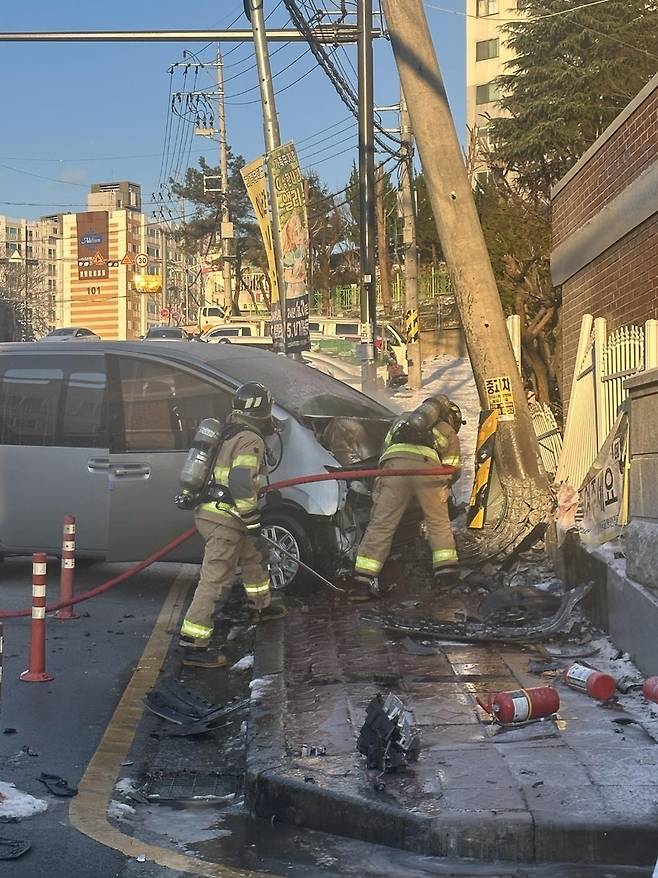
(141, 260)
(164, 313)
(176, 315)
(128, 259)
(15, 257)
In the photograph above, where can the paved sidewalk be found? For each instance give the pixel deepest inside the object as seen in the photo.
(582, 789)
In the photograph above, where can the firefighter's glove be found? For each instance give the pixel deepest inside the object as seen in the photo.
(185, 501)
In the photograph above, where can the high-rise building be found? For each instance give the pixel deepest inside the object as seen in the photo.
(486, 56)
(29, 251)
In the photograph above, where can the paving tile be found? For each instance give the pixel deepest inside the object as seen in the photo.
(616, 767)
(577, 801)
(489, 797)
(638, 804)
(468, 769)
(557, 766)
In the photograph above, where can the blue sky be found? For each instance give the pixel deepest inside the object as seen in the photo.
(79, 113)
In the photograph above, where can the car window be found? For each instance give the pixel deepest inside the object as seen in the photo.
(54, 401)
(348, 329)
(314, 327)
(165, 332)
(155, 406)
(224, 332)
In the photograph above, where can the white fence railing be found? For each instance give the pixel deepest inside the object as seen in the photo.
(603, 363)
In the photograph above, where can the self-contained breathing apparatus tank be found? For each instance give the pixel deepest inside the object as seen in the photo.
(417, 426)
(198, 466)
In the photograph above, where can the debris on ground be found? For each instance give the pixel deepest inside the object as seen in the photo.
(119, 810)
(57, 785)
(14, 803)
(387, 738)
(12, 848)
(245, 664)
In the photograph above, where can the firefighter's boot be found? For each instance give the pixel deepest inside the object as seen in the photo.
(446, 576)
(273, 611)
(364, 588)
(196, 654)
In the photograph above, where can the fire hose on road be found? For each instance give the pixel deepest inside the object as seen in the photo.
(336, 475)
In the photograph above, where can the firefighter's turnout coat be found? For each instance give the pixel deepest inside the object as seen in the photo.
(392, 495)
(241, 469)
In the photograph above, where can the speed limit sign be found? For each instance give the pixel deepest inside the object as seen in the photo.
(141, 260)
(164, 313)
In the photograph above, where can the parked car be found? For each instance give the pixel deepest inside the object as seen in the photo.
(238, 333)
(167, 333)
(323, 329)
(70, 333)
(102, 432)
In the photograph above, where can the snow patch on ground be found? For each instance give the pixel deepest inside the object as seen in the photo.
(245, 664)
(452, 376)
(119, 810)
(126, 786)
(15, 803)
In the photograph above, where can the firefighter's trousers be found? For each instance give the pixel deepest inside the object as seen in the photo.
(391, 497)
(228, 545)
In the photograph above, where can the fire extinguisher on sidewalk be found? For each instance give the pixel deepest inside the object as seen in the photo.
(521, 705)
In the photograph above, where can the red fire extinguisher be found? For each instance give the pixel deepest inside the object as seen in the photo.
(650, 689)
(595, 683)
(521, 705)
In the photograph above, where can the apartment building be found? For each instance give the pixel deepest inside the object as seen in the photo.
(32, 247)
(486, 56)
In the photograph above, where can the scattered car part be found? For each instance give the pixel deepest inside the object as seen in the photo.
(521, 705)
(628, 683)
(185, 701)
(57, 785)
(279, 548)
(595, 683)
(543, 666)
(170, 709)
(387, 739)
(478, 632)
(513, 606)
(12, 848)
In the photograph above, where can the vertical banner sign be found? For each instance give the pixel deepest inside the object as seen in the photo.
(601, 494)
(92, 231)
(255, 183)
(283, 166)
(499, 397)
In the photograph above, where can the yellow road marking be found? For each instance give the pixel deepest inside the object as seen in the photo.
(88, 810)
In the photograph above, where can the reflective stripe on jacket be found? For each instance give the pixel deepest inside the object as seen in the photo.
(240, 467)
(445, 450)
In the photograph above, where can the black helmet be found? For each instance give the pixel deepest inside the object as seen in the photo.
(455, 416)
(253, 401)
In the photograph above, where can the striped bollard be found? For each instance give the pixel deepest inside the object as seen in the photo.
(36, 672)
(68, 569)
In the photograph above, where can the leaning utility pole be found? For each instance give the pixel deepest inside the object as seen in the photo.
(518, 463)
(368, 283)
(272, 140)
(223, 170)
(414, 357)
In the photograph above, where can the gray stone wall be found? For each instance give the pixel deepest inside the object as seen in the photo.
(642, 530)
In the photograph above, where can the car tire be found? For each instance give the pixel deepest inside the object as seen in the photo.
(282, 526)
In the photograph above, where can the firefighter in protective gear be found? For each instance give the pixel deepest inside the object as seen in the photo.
(229, 523)
(413, 443)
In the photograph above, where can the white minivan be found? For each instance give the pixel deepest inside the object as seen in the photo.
(344, 327)
(101, 432)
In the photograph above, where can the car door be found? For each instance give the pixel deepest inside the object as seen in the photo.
(155, 408)
(54, 452)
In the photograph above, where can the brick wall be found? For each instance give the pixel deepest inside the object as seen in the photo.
(630, 150)
(622, 283)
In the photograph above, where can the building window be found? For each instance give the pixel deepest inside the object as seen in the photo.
(487, 7)
(487, 93)
(486, 49)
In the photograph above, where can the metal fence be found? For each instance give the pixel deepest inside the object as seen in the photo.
(603, 363)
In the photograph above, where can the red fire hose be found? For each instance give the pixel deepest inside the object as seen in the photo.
(338, 475)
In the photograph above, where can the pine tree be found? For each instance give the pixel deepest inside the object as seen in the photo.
(573, 72)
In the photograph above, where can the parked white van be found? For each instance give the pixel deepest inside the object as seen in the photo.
(345, 327)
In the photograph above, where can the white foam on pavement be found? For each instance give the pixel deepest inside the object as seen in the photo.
(15, 803)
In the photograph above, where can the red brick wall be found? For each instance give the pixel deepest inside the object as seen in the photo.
(630, 150)
(620, 285)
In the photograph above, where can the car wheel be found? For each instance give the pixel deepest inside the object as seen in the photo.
(224, 341)
(286, 531)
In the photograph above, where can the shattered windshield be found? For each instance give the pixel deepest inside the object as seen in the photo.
(303, 391)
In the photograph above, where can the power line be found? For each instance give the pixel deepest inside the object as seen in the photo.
(520, 18)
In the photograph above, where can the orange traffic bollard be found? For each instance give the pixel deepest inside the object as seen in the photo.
(68, 569)
(36, 672)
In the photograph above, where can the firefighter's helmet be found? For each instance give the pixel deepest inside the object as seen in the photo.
(456, 420)
(253, 401)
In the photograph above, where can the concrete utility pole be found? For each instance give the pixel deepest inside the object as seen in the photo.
(517, 458)
(414, 357)
(272, 140)
(223, 169)
(382, 242)
(27, 286)
(366, 194)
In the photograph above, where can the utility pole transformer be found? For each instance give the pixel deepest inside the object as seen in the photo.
(272, 140)
(526, 493)
(414, 357)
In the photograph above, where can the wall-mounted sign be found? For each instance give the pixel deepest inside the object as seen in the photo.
(93, 253)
